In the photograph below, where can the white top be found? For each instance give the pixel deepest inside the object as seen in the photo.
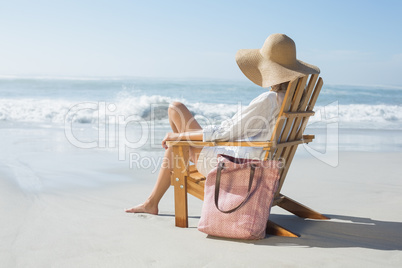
(256, 122)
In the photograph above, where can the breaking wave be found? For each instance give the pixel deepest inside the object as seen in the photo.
(126, 107)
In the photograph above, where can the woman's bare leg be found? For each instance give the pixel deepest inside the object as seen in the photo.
(181, 120)
(162, 184)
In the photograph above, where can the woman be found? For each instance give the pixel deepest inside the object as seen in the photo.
(274, 65)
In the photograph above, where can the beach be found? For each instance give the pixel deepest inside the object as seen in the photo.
(62, 205)
(79, 221)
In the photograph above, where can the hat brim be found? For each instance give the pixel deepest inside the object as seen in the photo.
(265, 72)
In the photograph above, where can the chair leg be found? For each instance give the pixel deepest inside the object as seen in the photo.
(276, 229)
(299, 209)
(180, 201)
(179, 181)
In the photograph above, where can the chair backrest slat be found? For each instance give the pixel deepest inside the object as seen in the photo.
(299, 101)
(293, 108)
(310, 107)
(303, 105)
(285, 107)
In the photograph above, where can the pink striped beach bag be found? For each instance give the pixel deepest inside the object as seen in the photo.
(238, 197)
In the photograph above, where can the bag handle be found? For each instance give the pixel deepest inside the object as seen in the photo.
(218, 183)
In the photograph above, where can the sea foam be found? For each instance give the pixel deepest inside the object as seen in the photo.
(154, 107)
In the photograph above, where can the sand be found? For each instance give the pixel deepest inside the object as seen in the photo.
(63, 206)
(83, 225)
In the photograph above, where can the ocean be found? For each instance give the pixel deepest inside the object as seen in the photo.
(79, 126)
(47, 101)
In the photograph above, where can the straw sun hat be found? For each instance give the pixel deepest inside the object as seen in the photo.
(274, 63)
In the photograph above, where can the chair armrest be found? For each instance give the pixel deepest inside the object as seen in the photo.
(308, 138)
(266, 145)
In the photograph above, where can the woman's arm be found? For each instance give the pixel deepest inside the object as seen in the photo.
(195, 135)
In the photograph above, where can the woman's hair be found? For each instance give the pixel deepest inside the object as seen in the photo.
(280, 87)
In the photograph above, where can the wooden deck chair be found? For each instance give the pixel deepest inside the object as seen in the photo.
(296, 109)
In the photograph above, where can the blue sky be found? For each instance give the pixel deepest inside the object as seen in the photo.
(353, 42)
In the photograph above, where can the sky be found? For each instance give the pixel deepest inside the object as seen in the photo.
(353, 42)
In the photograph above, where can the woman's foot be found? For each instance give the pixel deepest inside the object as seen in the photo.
(144, 208)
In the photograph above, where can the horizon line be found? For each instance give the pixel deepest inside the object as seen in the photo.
(193, 78)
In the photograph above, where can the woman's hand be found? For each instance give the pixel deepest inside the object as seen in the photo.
(170, 137)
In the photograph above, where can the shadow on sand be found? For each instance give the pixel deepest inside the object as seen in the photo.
(338, 232)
